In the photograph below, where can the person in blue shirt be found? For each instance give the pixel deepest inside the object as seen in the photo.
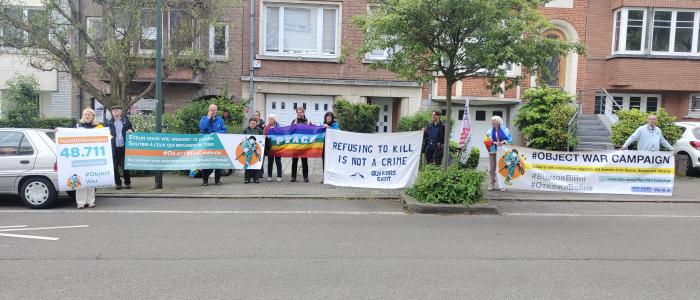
(648, 137)
(211, 123)
(499, 135)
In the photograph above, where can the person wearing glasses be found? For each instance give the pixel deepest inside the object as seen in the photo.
(648, 137)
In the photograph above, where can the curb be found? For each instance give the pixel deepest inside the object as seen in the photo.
(413, 206)
(248, 197)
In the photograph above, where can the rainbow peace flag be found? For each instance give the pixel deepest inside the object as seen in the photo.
(297, 141)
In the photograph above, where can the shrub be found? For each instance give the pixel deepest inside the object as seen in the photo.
(356, 117)
(630, 120)
(452, 186)
(471, 160)
(22, 93)
(544, 118)
(418, 121)
(147, 123)
(189, 115)
(52, 123)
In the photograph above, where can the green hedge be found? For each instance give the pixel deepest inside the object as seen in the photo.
(356, 117)
(188, 116)
(544, 118)
(44, 123)
(418, 121)
(452, 186)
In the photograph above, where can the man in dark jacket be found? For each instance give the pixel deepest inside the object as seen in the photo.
(434, 140)
(211, 123)
(119, 127)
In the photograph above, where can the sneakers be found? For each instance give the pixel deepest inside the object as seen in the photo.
(81, 206)
(279, 179)
(490, 188)
(127, 186)
(269, 179)
(91, 205)
(306, 179)
(294, 179)
(119, 187)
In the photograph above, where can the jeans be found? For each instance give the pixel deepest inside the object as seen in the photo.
(304, 167)
(207, 172)
(277, 161)
(118, 159)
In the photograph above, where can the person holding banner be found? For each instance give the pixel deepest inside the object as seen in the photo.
(272, 123)
(497, 135)
(119, 127)
(211, 123)
(648, 137)
(301, 119)
(252, 129)
(86, 197)
(434, 139)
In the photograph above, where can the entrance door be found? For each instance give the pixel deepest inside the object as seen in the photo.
(386, 110)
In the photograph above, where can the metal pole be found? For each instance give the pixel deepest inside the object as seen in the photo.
(159, 80)
(251, 61)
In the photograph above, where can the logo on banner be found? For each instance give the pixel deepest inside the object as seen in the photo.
(357, 176)
(511, 165)
(74, 181)
(248, 152)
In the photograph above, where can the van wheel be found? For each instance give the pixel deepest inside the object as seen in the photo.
(38, 192)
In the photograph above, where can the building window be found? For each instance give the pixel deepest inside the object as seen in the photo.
(642, 102)
(148, 32)
(376, 54)
(694, 109)
(300, 30)
(218, 40)
(556, 65)
(673, 32)
(460, 115)
(630, 28)
(498, 113)
(182, 38)
(14, 36)
(480, 115)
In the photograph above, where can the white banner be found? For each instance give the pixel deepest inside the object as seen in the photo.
(372, 160)
(611, 172)
(465, 133)
(84, 158)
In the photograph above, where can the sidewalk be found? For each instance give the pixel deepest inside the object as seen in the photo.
(686, 189)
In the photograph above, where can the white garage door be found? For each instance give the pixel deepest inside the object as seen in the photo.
(480, 121)
(284, 106)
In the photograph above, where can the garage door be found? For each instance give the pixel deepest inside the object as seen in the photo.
(284, 106)
(480, 121)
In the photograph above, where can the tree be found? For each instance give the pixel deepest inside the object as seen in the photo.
(460, 38)
(23, 96)
(114, 47)
(356, 117)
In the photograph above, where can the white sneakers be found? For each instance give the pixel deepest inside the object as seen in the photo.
(270, 179)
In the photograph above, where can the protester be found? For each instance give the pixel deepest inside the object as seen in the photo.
(497, 135)
(119, 127)
(260, 123)
(252, 129)
(211, 123)
(328, 122)
(272, 123)
(434, 139)
(301, 119)
(86, 197)
(648, 137)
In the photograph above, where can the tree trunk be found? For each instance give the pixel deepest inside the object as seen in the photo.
(448, 113)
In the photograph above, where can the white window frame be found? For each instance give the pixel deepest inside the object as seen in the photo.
(623, 31)
(693, 114)
(385, 52)
(155, 33)
(25, 16)
(672, 37)
(212, 40)
(642, 103)
(319, 25)
(88, 23)
(195, 43)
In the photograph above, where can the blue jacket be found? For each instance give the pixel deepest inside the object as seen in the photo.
(207, 125)
(334, 125)
(503, 134)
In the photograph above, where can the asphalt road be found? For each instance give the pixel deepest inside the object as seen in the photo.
(301, 249)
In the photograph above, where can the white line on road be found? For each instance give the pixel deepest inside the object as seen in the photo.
(35, 237)
(212, 212)
(598, 215)
(43, 228)
(13, 226)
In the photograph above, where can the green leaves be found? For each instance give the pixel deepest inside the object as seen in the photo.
(451, 186)
(22, 97)
(356, 117)
(630, 120)
(544, 118)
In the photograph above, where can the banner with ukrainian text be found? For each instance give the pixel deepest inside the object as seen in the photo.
(612, 172)
(84, 158)
(372, 160)
(169, 151)
(297, 141)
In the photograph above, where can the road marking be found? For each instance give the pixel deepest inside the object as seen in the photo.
(36, 237)
(600, 215)
(213, 212)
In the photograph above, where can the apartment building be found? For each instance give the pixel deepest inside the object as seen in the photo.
(221, 44)
(55, 88)
(305, 56)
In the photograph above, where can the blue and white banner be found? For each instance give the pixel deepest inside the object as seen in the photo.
(84, 158)
(371, 160)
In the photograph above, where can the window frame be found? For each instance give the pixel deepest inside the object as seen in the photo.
(672, 33)
(196, 42)
(212, 41)
(622, 39)
(88, 22)
(691, 113)
(319, 25)
(24, 35)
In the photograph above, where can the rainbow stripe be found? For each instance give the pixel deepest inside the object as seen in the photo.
(297, 141)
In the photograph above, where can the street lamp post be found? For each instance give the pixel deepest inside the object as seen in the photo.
(159, 80)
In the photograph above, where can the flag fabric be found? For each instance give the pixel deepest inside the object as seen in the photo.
(299, 140)
(465, 134)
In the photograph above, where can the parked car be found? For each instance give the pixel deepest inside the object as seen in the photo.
(28, 166)
(689, 145)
